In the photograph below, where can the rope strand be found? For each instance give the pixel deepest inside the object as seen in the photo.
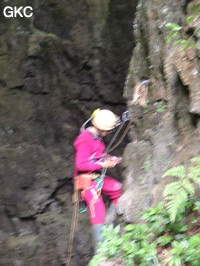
(73, 226)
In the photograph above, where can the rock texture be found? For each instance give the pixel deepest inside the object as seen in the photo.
(165, 132)
(70, 58)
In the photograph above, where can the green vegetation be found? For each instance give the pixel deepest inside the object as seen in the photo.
(131, 248)
(172, 227)
(160, 106)
(145, 107)
(51, 35)
(182, 189)
(147, 164)
(174, 29)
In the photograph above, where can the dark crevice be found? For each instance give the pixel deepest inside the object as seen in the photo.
(20, 88)
(180, 89)
(27, 219)
(195, 118)
(2, 84)
(39, 93)
(61, 183)
(184, 5)
(190, 32)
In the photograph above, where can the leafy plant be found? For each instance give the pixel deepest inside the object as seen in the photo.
(196, 206)
(157, 218)
(192, 253)
(111, 239)
(177, 193)
(136, 244)
(160, 106)
(164, 240)
(132, 248)
(159, 222)
(174, 29)
(185, 251)
(176, 252)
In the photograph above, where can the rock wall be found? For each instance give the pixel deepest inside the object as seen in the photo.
(166, 131)
(70, 58)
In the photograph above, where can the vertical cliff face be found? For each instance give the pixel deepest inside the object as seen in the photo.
(166, 131)
(70, 58)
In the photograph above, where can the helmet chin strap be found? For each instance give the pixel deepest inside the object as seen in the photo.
(83, 127)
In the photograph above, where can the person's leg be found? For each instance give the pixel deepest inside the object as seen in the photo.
(96, 207)
(96, 210)
(111, 188)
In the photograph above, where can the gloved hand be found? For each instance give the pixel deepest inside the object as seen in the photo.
(110, 161)
(116, 159)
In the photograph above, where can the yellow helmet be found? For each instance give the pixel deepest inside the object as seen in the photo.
(104, 119)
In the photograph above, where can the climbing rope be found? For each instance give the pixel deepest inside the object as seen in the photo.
(73, 225)
(121, 138)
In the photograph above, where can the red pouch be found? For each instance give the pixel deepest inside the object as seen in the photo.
(83, 181)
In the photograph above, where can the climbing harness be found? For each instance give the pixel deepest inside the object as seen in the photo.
(83, 180)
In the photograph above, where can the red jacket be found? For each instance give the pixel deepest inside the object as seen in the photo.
(88, 150)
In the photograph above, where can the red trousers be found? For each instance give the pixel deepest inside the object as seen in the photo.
(96, 206)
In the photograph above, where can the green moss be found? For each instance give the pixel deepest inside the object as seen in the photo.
(147, 164)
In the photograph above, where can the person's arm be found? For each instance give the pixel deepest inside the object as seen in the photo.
(83, 154)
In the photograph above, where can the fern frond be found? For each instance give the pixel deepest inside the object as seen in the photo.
(196, 159)
(195, 179)
(177, 193)
(169, 198)
(176, 203)
(178, 199)
(194, 173)
(172, 188)
(178, 171)
(188, 186)
(195, 169)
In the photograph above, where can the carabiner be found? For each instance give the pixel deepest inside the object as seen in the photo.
(125, 116)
